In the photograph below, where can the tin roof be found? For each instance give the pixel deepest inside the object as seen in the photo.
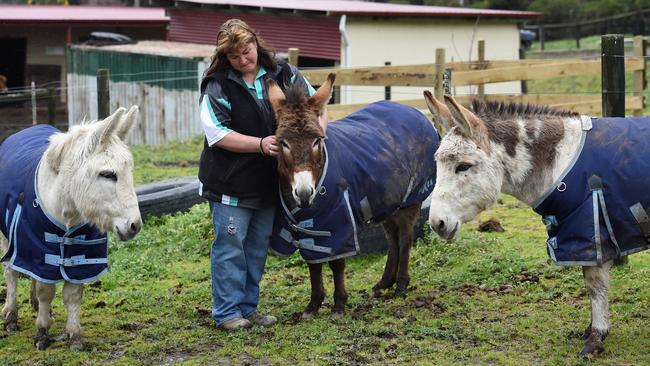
(364, 8)
(159, 48)
(28, 14)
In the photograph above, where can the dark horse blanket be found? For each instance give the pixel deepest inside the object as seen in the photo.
(378, 159)
(39, 246)
(596, 211)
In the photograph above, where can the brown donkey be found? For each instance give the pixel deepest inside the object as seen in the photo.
(374, 166)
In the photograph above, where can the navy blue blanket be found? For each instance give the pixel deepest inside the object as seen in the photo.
(597, 210)
(379, 159)
(39, 246)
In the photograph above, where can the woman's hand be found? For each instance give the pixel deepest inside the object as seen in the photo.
(269, 146)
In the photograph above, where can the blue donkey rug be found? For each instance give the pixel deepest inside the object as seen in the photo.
(597, 210)
(378, 160)
(39, 246)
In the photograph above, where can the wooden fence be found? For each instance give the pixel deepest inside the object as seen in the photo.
(490, 71)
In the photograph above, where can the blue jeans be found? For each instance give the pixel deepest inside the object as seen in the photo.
(237, 258)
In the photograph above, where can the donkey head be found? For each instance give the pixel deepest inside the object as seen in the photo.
(93, 172)
(302, 150)
(468, 178)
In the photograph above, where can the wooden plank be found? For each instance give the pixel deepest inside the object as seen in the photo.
(584, 104)
(407, 75)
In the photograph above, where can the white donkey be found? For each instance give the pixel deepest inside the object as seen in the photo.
(59, 195)
(586, 177)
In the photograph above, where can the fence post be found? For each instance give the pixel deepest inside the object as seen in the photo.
(481, 65)
(613, 85)
(524, 83)
(293, 56)
(438, 88)
(577, 35)
(33, 92)
(51, 105)
(541, 37)
(613, 75)
(387, 88)
(103, 96)
(639, 75)
(446, 81)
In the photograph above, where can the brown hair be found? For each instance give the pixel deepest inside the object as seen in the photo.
(233, 34)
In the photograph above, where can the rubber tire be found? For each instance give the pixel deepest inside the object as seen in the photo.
(168, 196)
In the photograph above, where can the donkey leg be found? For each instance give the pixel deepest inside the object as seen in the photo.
(390, 270)
(72, 294)
(597, 283)
(44, 293)
(10, 309)
(406, 219)
(340, 294)
(317, 290)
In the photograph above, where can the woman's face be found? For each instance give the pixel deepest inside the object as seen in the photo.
(244, 58)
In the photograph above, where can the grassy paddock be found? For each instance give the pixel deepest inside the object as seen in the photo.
(487, 298)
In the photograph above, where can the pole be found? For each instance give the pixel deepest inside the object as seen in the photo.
(440, 69)
(387, 88)
(293, 56)
(613, 75)
(481, 65)
(103, 96)
(33, 103)
(51, 105)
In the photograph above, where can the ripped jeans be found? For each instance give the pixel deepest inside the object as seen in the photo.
(237, 258)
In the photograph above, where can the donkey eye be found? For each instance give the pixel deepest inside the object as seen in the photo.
(316, 143)
(284, 145)
(462, 167)
(108, 175)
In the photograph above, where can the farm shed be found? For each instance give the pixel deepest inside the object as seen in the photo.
(161, 77)
(33, 38)
(356, 33)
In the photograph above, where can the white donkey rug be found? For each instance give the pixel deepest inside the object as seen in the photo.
(596, 211)
(378, 160)
(39, 246)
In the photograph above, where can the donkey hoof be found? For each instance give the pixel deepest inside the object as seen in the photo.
(11, 327)
(337, 314)
(11, 322)
(592, 348)
(41, 341)
(76, 343)
(307, 316)
(401, 292)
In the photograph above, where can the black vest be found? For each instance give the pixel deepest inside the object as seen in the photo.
(242, 175)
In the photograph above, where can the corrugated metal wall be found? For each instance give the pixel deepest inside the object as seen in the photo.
(165, 89)
(315, 37)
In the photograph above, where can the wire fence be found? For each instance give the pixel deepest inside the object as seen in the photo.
(17, 113)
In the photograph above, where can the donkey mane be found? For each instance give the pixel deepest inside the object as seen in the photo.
(297, 116)
(491, 110)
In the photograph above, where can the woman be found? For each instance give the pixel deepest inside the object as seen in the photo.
(238, 170)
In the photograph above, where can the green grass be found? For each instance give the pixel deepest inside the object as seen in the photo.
(469, 302)
(157, 162)
(586, 43)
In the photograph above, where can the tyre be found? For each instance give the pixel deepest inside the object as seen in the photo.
(168, 196)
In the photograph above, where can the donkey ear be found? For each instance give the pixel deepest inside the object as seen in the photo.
(276, 95)
(59, 146)
(442, 118)
(469, 124)
(323, 94)
(105, 129)
(126, 122)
